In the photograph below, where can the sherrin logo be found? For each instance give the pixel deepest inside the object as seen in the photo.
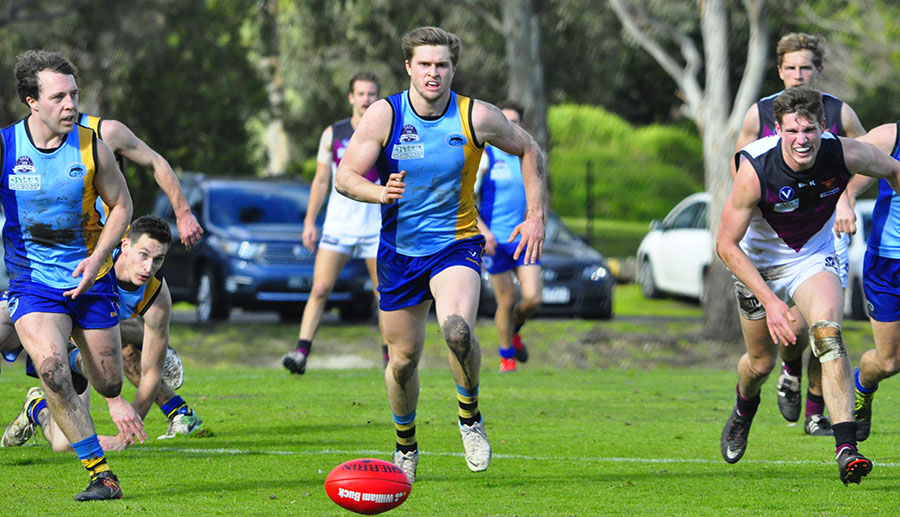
(455, 140)
(76, 170)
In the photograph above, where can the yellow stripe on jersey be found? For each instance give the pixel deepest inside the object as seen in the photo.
(87, 140)
(466, 215)
(93, 122)
(151, 289)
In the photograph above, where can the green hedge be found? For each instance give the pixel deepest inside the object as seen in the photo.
(638, 173)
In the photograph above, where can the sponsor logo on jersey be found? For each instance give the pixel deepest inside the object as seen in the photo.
(408, 151)
(409, 134)
(23, 165)
(786, 193)
(831, 192)
(455, 140)
(25, 182)
(789, 206)
(76, 170)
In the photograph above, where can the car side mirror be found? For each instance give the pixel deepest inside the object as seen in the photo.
(654, 225)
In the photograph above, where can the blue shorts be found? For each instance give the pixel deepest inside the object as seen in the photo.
(98, 308)
(403, 280)
(502, 260)
(881, 283)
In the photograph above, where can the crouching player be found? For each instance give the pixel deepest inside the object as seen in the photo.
(142, 292)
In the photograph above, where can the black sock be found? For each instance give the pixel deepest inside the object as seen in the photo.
(794, 367)
(845, 434)
(304, 345)
(747, 407)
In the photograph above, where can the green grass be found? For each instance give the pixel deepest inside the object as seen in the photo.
(608, 418)
(568, 442)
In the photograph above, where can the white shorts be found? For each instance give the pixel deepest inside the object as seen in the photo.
(842, 249)
(784, 280)
(357, 247)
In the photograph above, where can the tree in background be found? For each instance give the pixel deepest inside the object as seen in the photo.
(717, 114)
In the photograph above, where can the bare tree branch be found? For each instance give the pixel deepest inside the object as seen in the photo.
(754, 68)
(488, 16)
(633, 18)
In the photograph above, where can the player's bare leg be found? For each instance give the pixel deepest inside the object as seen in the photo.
(456, 291)
(328, 265)
(405, 337)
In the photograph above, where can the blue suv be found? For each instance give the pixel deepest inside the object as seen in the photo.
(251, 254)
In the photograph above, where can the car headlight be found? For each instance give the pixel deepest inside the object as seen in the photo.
(594, 272)
(244, 250)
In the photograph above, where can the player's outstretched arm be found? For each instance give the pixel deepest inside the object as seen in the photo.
(365, 145)
(123, 141)
(745, 195)
(110, 185)
(861, 157)
(153, 350)
(128, 422)
(318, 190)
(491, 125)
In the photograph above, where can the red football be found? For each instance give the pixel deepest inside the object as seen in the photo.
(367, 486)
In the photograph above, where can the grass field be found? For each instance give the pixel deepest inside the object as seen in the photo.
(612, 429)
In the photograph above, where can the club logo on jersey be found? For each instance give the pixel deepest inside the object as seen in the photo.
(786, 193)
(25, 182)
(455, 140)
(409, 134)
(831, 192)
(341, 148)
(23, 165)
(76, 170)
(408, 151)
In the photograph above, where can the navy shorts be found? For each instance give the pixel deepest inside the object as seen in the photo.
(881, 283)
(98, 308)
(403, 280)
(502, 260)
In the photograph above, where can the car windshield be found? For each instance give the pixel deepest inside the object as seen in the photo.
(230, 206)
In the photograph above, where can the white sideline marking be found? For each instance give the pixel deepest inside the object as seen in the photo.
(610, 459)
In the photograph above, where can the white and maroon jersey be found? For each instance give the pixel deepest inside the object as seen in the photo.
(347, 217)
(795, 214)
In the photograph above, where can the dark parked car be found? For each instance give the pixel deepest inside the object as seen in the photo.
(576, 279)
(251, 255)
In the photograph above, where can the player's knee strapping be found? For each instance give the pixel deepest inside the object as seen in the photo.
(825, 341)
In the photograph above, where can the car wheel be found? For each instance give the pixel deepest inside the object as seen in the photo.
(210, 300)
(645, 277)
(857, 301)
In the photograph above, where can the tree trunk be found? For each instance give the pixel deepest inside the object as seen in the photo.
(277, 144)
(522, 32)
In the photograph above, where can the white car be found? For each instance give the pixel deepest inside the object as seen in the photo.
(854, 297)
(674, 256)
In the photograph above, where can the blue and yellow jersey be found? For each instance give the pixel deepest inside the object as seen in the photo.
(94, 122)
(503, 202)
(440, 157)
(884, 240)
(135, 303)
(49, 199)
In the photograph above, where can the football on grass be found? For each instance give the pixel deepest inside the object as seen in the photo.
(367, 486)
